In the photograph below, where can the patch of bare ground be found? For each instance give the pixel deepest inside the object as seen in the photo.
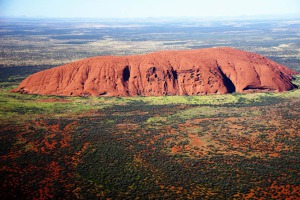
(274, 191)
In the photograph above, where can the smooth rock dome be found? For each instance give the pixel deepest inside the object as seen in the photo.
(184, 72)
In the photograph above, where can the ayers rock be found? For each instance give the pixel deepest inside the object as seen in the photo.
(188, 72)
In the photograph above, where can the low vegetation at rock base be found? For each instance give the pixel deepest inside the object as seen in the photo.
(233, 146)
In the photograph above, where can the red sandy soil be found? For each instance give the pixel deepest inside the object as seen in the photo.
(190, 72)
(50, 142)
(287, 192)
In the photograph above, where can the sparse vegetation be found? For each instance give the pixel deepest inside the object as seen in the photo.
(212, 147)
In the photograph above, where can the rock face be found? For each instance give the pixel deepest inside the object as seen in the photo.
(190, 72)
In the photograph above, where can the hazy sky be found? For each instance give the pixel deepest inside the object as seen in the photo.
(147, 8)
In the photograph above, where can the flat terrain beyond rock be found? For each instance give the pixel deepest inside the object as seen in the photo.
(189, 72)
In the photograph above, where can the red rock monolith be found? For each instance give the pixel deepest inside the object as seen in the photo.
(189, 72)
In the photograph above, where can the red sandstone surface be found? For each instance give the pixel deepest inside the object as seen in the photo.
(189, 72)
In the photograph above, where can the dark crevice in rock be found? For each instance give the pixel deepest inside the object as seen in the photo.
(227, 82)
(126, 74)
(294, 86)
(150, 71)
(175, 74)
(257, 88)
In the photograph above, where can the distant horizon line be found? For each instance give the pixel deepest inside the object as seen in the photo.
(240, 17)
